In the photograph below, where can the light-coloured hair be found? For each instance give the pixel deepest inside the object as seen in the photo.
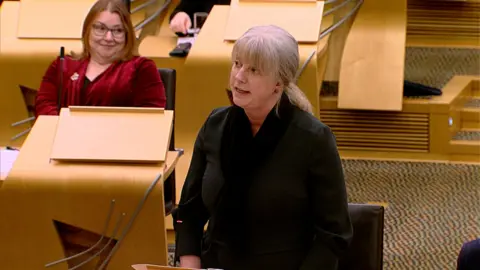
(113, 6)
(273, 50)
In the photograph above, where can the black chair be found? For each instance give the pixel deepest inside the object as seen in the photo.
(366, 249)
(169, 78)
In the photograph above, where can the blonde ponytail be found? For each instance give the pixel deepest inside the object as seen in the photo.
(298, 98)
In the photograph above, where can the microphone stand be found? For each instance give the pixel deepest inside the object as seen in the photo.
(60, 86)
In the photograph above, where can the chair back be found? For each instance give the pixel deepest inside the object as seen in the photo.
(366, 249)
(169, 79)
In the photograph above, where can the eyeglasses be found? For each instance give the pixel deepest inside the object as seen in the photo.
(100, 29)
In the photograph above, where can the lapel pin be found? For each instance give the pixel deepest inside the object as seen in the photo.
(74, 76)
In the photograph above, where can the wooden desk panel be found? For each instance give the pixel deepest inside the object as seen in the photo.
(372, 67)
(52, 19)
(22, 62)
(12, 45)
(37, 192)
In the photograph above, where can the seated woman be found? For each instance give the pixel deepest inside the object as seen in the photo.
(106, 73)
(265, 173)
(182, 17)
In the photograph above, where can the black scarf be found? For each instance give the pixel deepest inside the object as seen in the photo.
(242, 154)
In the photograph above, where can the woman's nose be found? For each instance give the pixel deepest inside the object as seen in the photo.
(108, 35)
(241, 75)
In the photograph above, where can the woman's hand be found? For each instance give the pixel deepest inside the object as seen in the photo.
(180, 23)
(190, 261)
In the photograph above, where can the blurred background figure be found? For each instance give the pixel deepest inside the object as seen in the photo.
(182, 18)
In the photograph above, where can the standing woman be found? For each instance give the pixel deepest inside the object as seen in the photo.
(106, 73)
(265, 173)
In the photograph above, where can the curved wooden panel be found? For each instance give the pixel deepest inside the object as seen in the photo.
(23, 62)
(372, 67)
(39, 193)
(31, 25)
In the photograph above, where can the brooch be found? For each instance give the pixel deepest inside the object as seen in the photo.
(74, 76)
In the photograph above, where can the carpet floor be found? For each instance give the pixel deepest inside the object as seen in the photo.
(431, 209)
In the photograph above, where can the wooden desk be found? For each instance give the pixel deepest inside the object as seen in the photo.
(372, 66)
(160, 41)
(157, 47)
(22, 62)
(39, 192)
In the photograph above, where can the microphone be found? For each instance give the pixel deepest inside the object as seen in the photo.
(60, 86)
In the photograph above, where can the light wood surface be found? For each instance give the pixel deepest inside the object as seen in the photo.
(372, 67)
(287, 15)
(422, 130)
(10, 44)
(40, 19)
(159, 47)
(337, 39)
(22, 62)
(139, 135)
(38, 191)
(455, 88)
(465, 147)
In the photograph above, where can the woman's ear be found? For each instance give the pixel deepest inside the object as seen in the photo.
(278, 87)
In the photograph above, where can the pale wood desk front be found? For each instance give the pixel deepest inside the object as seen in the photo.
(39, 192)
(372, 66)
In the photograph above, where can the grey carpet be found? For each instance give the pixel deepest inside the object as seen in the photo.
(433, 208)
(436, 66)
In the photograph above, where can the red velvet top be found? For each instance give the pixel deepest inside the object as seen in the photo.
(133, 83)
